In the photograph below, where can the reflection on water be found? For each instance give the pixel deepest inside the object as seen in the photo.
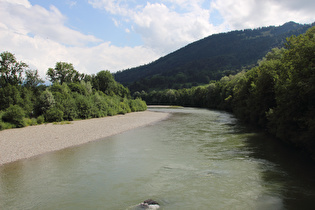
(196, 159)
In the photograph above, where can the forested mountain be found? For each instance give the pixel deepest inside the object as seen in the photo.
(209, 58)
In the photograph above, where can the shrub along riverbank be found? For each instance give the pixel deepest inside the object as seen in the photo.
(24, 100)
(278, 95)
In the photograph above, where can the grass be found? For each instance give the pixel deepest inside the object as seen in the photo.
(62, 123)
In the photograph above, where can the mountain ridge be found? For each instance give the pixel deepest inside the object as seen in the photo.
(209, 58)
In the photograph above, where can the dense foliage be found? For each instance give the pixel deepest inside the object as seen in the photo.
(24, 100)
(277, 95)
(208, 59)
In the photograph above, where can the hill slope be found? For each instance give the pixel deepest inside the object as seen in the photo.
(209, 58)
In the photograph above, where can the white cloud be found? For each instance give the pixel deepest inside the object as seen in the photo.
(25, 3)
(71, 3)
(41, 54)
(255, 13)
(302, 5)
(40, 38)
(112, 57)
(116, 7)
(166, 30)
(188, 5)
(22, 18)
(161, 27)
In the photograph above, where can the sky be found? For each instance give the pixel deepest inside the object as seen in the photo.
(114, 35)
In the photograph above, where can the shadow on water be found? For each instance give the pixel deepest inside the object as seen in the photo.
(285, 172)
(291, 170)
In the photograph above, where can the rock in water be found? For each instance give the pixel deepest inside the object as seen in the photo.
(149, 204)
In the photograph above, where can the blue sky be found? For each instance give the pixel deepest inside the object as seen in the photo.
(81, 16)
(113, 35)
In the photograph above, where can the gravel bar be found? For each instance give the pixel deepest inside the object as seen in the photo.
(21, 143)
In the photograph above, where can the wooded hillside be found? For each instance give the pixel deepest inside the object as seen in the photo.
(208, 59)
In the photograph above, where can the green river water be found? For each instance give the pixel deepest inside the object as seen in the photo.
(195, 159)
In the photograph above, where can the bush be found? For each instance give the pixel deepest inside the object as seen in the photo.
(40, 119)
(30, 121)
(69, 109)
(124, 107)
(137, 105)
(4, 125)
(111, 111)
(14, 115)
(84, 106)
(1, 125)
(100, 106)
(54, 115)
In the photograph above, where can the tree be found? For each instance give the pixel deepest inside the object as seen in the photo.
(32, 79)
(10, 70)
(105, 82)
(15, 115)
(84, 106)
(63, 72)
(53, 114)
(10, 95)
(293, 118)
(46, 101)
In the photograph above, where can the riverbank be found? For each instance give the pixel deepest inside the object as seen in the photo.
(16, 144)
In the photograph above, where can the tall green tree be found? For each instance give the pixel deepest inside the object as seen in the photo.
(46, 101)
(32, 79)
(293, 118)
(11, 70)
(63, 72)
(10, 95)
(105, 82)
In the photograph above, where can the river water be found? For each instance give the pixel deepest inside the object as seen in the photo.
(195, 159)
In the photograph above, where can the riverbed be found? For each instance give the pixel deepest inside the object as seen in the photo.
(195, 159)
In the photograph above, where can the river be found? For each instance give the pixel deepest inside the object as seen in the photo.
(195, 159)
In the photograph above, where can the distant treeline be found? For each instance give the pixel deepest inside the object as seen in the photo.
(278, 95)
(24, 100)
